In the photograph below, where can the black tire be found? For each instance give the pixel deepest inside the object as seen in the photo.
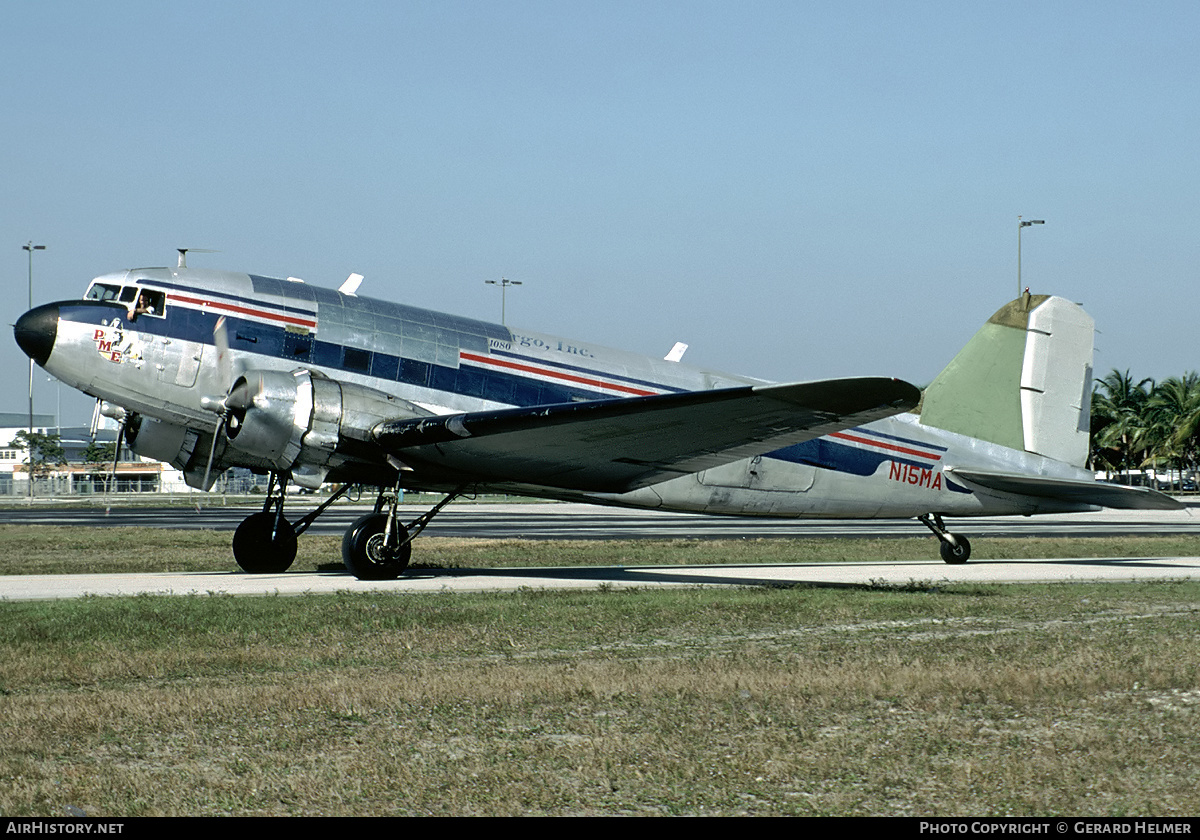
(254, 549)
(956, 554)
(364, 554)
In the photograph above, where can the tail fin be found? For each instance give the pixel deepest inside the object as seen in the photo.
(1023, 381)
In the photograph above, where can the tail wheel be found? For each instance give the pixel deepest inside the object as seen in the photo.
(257, 552)
(957, 552)
(365, 551)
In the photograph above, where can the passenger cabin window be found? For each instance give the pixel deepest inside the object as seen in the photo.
(356, 360)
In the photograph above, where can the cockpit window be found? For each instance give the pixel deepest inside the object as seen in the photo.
(111, 291)
(149, 302)
(103, 291)
(137, 300)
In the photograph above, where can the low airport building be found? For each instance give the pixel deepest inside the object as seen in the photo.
(79, 476)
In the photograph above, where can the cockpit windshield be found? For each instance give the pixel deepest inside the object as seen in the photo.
(111, 291)
(138, 300)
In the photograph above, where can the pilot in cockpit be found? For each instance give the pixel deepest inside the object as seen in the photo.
(144, 305)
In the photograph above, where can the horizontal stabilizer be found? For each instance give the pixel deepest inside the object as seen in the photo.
(618, 445)
(1063, 489)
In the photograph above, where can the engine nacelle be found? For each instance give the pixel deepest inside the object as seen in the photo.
(297, 421)
(160, 440)
(181, 447)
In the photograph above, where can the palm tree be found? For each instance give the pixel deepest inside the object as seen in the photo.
(1119, 432)
(1172, 420)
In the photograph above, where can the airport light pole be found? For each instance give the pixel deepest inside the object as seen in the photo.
(503, 283)
(30, 247)
(1021, 225)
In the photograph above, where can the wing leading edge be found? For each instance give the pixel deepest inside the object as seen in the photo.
(613, 446)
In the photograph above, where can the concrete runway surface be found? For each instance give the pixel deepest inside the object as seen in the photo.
(42, 587)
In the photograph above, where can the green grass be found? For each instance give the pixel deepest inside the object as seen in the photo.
(40, 549)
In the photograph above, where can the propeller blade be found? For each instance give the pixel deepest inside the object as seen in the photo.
(95, 420)
(220, 405)
(239, 395)
(112, 476)
(224, 360)
(212, 450)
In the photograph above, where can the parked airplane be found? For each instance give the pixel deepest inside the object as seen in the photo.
(212, 369)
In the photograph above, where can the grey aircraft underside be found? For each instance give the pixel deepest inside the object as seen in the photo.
(211, 369)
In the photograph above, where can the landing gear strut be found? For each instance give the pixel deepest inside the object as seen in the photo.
(955, 548)
(265, 542)
(377, 546)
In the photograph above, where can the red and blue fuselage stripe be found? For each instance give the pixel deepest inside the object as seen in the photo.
(572, 374)
(228, 304)
(495, 374)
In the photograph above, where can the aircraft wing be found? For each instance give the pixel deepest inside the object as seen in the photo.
(618, 445)
(1082, 492)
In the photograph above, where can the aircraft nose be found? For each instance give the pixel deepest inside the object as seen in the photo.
(36, 332)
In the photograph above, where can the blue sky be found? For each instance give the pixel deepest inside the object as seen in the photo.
(796, 189)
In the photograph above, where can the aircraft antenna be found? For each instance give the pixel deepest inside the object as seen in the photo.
(183, 252)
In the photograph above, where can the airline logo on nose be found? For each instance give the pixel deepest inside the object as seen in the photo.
(112, 345)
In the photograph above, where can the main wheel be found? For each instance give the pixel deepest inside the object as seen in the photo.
(254, 549)
(364, 551)
(956, 554)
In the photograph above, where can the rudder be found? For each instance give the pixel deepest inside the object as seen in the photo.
(1023, 381)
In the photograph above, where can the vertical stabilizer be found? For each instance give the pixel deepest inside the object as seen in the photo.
(1023, 381)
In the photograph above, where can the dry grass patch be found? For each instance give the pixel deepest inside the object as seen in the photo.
(1005, 700)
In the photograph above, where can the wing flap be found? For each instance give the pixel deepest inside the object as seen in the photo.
(614, 446)
(1068, 490)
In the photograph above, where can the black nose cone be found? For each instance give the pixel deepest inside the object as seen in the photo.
(36, 331)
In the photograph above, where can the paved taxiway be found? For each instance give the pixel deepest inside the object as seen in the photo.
(43, 587)
(538, 521)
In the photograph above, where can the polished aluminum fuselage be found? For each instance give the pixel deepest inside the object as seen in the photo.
(162, 364)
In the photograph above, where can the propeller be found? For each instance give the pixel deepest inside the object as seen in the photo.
(112, 478)
(121, 416)
(230, 408)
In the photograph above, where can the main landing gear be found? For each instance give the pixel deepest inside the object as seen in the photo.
(955, 548)
(265, 543)
(376, 547)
